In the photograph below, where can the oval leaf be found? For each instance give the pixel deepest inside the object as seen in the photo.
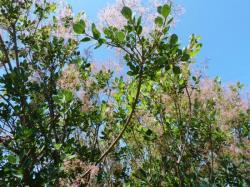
(79, 27)
(159, 21)
(95, 32)
(120, 36)
(165, 10)
(126, 12)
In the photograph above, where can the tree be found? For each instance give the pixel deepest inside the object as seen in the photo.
(65, 124)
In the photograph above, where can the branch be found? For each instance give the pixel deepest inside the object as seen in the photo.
(22, 87)
(189, 122)
(125, 126)
(15, 46)
(5, 51)
(189, 103)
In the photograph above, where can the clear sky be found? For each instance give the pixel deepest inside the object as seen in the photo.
(224, 26)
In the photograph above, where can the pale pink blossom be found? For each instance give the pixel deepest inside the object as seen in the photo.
(65, 28)
(70, 78)
(93, 169)
(62, 30)
(111, 15)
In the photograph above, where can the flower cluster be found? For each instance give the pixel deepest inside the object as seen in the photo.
(65, 21)
(111, 15)
(76, 169)
(70, 78)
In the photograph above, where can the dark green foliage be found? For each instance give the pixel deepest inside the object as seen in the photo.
(62, 124)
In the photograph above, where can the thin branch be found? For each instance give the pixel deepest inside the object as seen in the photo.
(189, 121)
(15, 46)
(189, 103)
(125, 126)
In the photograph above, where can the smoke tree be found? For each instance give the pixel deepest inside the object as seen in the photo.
(64, 121)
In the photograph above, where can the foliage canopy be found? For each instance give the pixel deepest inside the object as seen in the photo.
(65, 123)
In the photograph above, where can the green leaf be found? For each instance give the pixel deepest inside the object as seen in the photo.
(159, 21)
(120, 36)
(127, 12)
(98, 45)
(65, 96)
(141, 174)
(149, 132)
(139, 21)
(159, 9)
(57, 146)
(70, 156)
(86, 39)
(149, 135)
(108, 32)
(12, 159)
(170, 21)
(52, 7)
(165, 10)
(79, 27)
(130, 73)
(167, 67)
(196, 51)
(176, 70)
(18, 173)
(194, 78)
(173, 39)
(27, 132)
(95, 32)
(139, 30)
(101, 41)
(185, 57)
(166, 29)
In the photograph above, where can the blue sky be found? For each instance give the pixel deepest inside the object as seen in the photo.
(224, 26)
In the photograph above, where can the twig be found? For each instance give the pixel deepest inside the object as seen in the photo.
(125, 126)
